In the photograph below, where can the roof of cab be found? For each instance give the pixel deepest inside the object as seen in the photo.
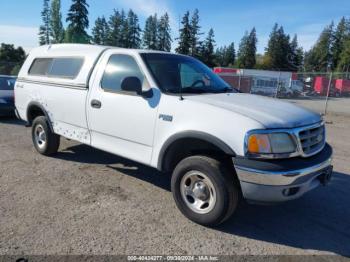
(90, 53)
(77, 49)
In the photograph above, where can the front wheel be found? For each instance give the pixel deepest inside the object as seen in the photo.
(205, 190)
(44, 140)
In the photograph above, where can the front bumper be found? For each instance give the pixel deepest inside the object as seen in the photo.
(282, 180)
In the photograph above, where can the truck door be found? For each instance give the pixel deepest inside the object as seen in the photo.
(122, 122)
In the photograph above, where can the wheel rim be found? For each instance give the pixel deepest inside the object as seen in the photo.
(40, 136)
(198, 192)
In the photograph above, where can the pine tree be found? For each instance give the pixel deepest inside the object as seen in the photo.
(164, 33)
(150, 34)
(296, 55)
(340, 36)
(344, 62)
(279, 52)
(78, 22)
(319, 58)
(124, 30)
(207, 54)
(185, 38)
(247, 50)
(57, 32)
(225, 56)
(134, 31)
(100, 32)
(195, 34)
(230, 55)
(45, 28)
(116, 24)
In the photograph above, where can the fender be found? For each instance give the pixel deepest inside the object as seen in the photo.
(193, 134)
(36, 104)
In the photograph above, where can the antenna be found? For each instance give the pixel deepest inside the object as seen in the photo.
(181, 97)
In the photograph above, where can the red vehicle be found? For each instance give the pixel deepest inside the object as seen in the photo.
(342, 86)
(338, 87)
(321, 84)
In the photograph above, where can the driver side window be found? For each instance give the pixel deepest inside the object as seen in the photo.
(118, 68)
(189, 75)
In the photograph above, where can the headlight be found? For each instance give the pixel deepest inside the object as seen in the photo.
(270, 143)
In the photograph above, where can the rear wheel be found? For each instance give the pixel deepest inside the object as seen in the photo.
(44, 140)
(205, 190)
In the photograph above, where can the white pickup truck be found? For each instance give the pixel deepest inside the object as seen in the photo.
(173, 113)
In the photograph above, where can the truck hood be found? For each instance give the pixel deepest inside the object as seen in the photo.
(270, 112)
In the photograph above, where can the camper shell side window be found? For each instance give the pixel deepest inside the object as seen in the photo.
(60, 67)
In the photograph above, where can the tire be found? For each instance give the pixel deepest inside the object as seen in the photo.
(44, 140)
(219, 182)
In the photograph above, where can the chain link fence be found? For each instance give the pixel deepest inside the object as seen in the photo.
(324, 93)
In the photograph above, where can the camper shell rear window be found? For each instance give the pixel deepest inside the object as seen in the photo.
(61, 67)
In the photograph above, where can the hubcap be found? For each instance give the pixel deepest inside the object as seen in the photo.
(40, 136)
(198, 192)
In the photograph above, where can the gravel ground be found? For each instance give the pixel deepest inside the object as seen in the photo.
(84, 201)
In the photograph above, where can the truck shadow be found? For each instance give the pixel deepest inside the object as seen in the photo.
(11, 120)
(88, 155)
(318, 221)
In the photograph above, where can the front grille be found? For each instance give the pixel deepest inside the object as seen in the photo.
(312, 140)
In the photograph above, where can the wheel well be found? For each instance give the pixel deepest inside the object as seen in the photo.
(33, 112)
(185, 147)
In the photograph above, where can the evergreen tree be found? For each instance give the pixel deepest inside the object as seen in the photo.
(195, 33)
(344, 62)
(230, 55)
(296, 55)
(319, 58)
(57, 32)
(134, 31)
(207, 54)
(164, 33)
(247, 50)
(45, 28)
(340, 36)
(78, 22)
(116, 24)
(219, 56)
(226, 56)
(150, 34)
(100, 32)
(124, 30)
(185, 38)
(279, 51)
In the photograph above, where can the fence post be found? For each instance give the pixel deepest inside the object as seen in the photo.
(328, 91)
(239, 81)
(278, 84)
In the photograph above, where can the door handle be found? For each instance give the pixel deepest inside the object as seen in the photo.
(96, 103)
(19, 86)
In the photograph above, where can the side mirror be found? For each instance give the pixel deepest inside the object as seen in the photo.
(132, 84)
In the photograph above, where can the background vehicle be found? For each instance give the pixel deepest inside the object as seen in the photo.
(171, 112)
(7, 104)
(262, 82)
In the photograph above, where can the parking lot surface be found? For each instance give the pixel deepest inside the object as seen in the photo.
(85, 201)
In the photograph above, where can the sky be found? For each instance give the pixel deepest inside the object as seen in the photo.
(20, 19)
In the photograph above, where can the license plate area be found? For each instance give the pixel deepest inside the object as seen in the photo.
(326, 176)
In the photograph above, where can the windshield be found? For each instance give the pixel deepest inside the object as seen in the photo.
(177, 73)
